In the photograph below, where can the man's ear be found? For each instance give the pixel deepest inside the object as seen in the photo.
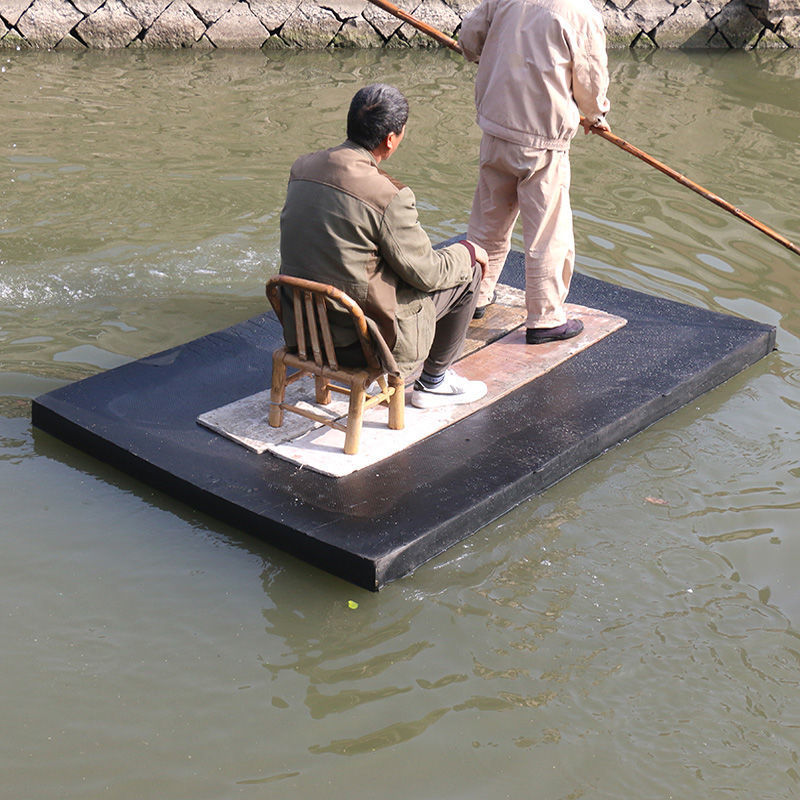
(385, 148)
(391, 142)
(388, 145)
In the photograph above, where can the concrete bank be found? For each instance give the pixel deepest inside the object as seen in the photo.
(270, 24)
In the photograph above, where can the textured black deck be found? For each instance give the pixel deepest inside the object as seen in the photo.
(381, 523)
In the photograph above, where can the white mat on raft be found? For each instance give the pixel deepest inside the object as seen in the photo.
(504, 365)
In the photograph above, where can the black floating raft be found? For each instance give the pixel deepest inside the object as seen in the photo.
(381, 523)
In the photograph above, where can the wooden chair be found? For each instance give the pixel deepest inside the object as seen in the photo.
(310, 301)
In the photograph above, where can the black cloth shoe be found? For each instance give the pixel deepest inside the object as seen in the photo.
(572, 327)
(480, 311)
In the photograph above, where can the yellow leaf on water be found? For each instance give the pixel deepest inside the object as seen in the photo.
(352, 604)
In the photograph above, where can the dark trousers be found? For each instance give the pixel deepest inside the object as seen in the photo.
(454, 310)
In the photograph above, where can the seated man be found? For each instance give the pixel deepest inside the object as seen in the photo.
(348, 224)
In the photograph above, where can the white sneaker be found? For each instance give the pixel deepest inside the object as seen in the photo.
(374, 387)
(453, 390)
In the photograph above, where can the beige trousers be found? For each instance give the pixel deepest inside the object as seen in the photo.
(513, 181)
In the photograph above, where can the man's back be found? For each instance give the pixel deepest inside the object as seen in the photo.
(348, 224)
(537, 60)
(330, 226)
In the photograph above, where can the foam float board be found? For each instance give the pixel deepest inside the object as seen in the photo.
(382, 522)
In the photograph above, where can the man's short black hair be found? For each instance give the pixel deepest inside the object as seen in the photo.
(376, 111)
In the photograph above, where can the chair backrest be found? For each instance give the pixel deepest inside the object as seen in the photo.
(310, 301)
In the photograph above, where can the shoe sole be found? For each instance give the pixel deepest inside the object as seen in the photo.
(428, 400)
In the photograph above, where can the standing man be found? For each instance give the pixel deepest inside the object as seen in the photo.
(541, 64)
(348, 224)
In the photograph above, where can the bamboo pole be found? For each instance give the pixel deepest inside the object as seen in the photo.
(695, 187)
(434, 33)
(608, 136)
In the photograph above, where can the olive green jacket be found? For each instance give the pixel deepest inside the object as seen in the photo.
(347, 223)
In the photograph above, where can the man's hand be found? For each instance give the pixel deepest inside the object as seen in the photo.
(481, 257)
(602, 125)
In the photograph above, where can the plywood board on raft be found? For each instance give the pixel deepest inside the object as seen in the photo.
(504, 364)
(245, 419)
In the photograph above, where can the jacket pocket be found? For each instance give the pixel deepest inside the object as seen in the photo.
(416, 325)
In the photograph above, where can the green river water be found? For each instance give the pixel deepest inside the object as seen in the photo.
(631, 633)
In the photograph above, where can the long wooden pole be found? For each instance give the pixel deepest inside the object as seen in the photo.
(608, 136)
(684, 181)
(434, 33)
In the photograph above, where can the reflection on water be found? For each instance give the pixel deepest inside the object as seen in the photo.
(630, 633)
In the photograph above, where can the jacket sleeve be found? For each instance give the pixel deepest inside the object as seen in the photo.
(474, 28)
(407, 250)
(590, 71)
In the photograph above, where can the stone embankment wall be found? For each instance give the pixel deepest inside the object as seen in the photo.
(270, 24)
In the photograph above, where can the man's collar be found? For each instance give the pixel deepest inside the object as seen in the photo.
(354, 146)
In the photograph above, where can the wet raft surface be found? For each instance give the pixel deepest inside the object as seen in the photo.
(378, 524)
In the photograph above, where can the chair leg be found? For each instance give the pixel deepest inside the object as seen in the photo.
(397, 403)
(321, 390)
(278, 390)
(355, 413)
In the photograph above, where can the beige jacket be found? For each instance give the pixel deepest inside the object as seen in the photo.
(347, 223)
(542, 63)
